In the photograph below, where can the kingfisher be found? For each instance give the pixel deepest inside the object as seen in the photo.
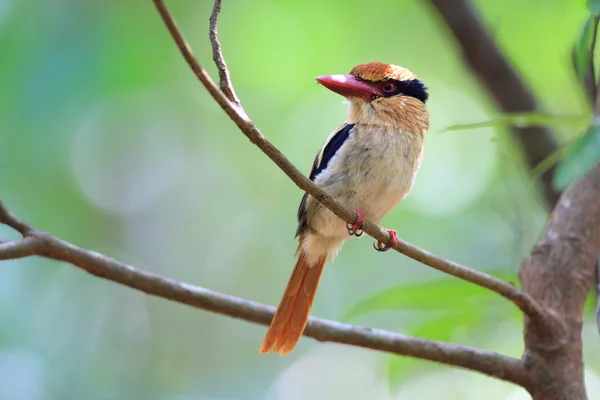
(368, 165)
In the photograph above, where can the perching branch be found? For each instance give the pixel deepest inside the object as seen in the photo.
(484, 58)
(519, 298)
(37, 243)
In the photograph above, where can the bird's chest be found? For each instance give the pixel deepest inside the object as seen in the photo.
(382, 169)
(374, 171)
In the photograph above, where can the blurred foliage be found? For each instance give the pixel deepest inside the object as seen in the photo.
(585, 152)
(439, 294)
(580, 158)
(108, 141)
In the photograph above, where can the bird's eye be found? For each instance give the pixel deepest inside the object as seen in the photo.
(389, 87)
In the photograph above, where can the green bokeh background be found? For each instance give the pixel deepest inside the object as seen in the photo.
(107, 140)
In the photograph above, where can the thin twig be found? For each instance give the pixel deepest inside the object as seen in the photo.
(521, 299)
(28, 246)
(489, 363)
(200, 73)
(9, 219)
(224, 78)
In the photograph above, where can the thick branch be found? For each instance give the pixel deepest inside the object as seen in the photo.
(504, 85)
(43, 244)
(522, 300)
(558, 274)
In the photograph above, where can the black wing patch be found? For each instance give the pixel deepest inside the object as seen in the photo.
(331, 148)
(302, 215)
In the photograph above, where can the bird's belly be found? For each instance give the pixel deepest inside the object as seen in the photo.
(380, 187)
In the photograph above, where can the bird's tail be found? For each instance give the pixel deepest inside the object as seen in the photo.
(293, 310)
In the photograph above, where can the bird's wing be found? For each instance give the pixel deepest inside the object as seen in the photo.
(333, 143)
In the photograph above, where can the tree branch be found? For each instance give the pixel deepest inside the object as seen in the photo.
(46, 245)
(558, 274)
(14, 249)
(484, 58)
(519, 298)
(9, 219)
(224, 79)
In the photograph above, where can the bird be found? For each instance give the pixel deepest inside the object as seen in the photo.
(368, 165)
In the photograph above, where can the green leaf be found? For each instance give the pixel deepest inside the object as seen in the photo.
(594, 7)
(581, 49)
(579, 159)
(524, 120)
(443, 294)
(442, 328)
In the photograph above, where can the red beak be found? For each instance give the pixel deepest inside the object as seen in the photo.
(349, 86)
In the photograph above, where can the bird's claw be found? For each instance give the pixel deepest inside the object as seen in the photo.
(356, 228)
(393, 241)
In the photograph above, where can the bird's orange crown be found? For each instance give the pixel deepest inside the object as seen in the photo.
(382, 94)
(377, 72)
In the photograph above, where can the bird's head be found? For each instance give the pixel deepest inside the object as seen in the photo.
(382, 94)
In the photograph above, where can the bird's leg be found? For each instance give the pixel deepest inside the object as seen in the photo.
(393, 241)
(356, 228)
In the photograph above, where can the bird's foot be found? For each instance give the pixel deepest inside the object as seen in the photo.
(393, 241)
(356, 228)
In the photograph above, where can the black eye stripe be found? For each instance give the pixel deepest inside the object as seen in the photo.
(413, 88)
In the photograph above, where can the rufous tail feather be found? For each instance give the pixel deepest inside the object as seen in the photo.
(292, 313)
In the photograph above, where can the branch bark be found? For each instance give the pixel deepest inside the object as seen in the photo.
(241, 119)
(484, 58)
(43, 244)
